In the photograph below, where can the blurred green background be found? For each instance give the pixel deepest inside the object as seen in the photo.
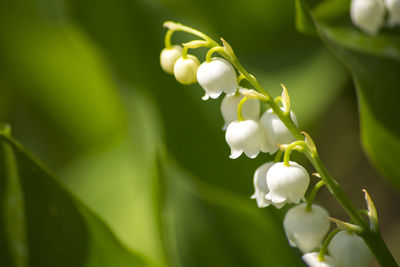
(145, 178)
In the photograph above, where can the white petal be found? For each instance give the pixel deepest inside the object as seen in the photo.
(306, 229)
(229, 105)
(275, 131)
(276, 199)
(235, 154)
(349, 250)
(393, 8)
(287, 183)
(169, 56)
(260, 185)
(213, 95)
(244, 136)
(312, 260)
(217, 76)
(185, 69)
(252, 153)
(279, 205)
(368, 15)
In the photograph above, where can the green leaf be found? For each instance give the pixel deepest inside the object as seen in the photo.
(374, 63)
(208, 226)
(119, 181)
(42, 224)
(304, 21)
(61, 74)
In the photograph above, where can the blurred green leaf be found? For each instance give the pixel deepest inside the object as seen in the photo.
(119, 180)
(330, 9)
(313, 84)
(209, 226)
(374, 63)
(59, 71)
(304, 23)
(42, 224)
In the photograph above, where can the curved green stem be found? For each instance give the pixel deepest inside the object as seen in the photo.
(278, 100)
(240, 78)
(289, 149)
(239, 108)
(218, 49)
(179, 27)
(312, 195)
(325, 245)
(167, 39)
(185, 52)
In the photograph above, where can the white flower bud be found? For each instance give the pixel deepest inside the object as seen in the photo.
(244, 136)
(287, 184)
(306, 229)
(185, 69)
(312, 260)
(368, 15)
(168, 57)
(250, 109)
(349, 250)
(393, 7)
(276, 133)
(217, 76)
(260, 185)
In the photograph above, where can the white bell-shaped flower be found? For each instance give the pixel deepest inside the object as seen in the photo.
(287, 184)
(393, 8)
(260, 185)
(250, 109)
(368, 15)
(312, 260)
(306, 229)
(217, 76)
(349, 250)
(244, 136)
(276, 133)
(168, 57)
(185, 69)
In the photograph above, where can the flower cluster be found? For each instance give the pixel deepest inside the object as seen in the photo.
(369, 15)
(276, 183)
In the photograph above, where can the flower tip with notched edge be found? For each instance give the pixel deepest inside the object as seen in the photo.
(217, 76)
(235, 153)
(287, 184)
(312, 260)
(244, 136)
(185, 69)
(212, 95)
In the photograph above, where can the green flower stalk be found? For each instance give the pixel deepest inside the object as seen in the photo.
(276, 130)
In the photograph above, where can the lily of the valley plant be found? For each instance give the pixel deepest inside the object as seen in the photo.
(279, 182)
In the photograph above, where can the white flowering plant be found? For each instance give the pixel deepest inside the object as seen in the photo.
(108, 160)
(276, 131)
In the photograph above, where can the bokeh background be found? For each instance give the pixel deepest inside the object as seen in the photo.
(81, 86)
